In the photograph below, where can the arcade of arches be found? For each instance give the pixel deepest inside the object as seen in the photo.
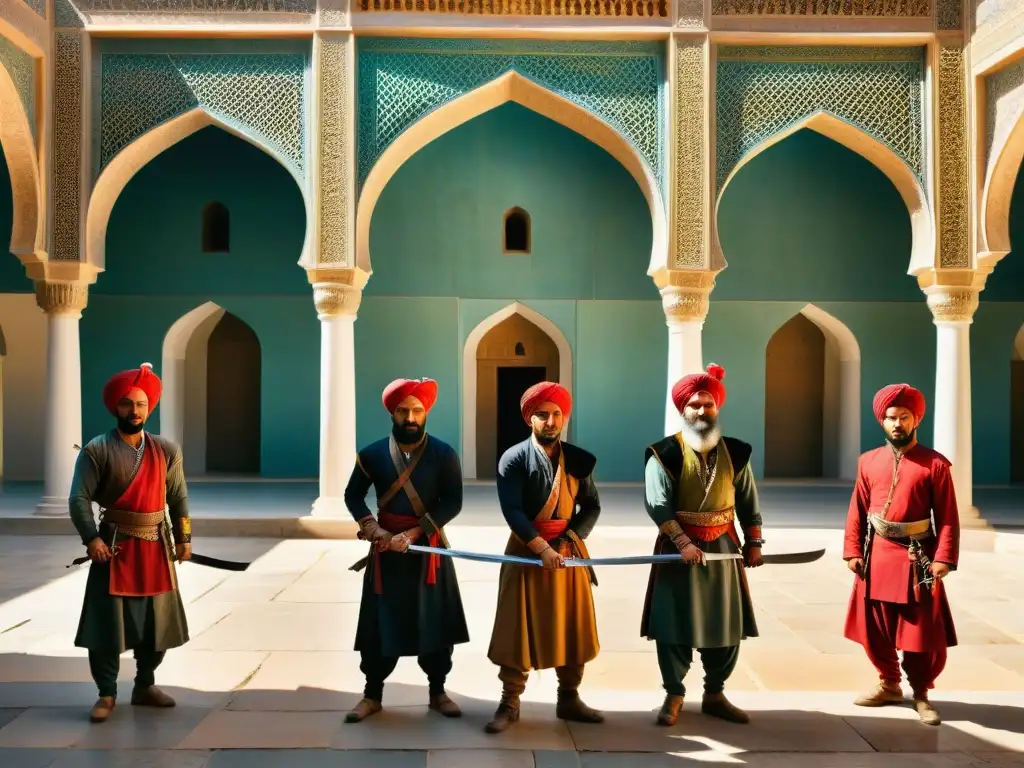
(817, 241)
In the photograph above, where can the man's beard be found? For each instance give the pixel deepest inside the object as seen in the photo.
(408, 433)
(546, 438)
(902, 441)
(125, 426)
(702, 434)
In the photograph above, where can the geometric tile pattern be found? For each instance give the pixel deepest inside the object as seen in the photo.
(763, 91)
(833, 9)
(400, 80)
(21, 67)
(261, 95)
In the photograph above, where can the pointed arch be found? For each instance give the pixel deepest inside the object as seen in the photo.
(922, 253)
(23, 167)
(998, 195)
(469, 384)
(511, 86)
(130, 160)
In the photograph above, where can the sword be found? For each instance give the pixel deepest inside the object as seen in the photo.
(210, 562)
(787, 558)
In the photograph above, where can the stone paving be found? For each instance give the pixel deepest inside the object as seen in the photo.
(270, 671)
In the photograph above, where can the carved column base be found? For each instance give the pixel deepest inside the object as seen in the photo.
(685, 297)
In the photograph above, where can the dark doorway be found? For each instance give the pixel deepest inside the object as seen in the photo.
(233, 398)
(1017, 421)
(513, 381)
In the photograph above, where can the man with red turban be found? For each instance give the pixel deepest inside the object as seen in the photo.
(410, 603)
(131, 595)
(545, 617)
(899, 557)
(697, 485)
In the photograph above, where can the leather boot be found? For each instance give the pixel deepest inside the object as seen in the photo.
(716, 705)
(151, 696)
(571, 707)
(101, 709)
(506, 714)
(928, 714)
(443, 704)
(884, 694)
(363, 710)
(669, 713)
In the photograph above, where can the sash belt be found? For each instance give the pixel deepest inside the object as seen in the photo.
(916, 529)
(708, 526)
(393, 523)
(140, 525)
(550, 529)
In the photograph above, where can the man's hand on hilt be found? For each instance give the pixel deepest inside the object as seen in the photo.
(98, 551)
(691, 553)
(184, 552)
(752, 556)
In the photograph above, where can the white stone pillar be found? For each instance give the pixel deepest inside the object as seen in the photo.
(953, 312)
(63, 304)
(685, 312)
(336, 306)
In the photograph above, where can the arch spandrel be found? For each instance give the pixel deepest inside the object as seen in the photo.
(878, 154)
(509, 87)
(1004, 95)
(18, 140)
(131, 159)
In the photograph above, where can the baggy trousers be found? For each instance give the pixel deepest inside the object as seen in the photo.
(675, 660)
(922, 668)
(514, 681)
(378, 668)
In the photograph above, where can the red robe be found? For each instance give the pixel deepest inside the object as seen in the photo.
(925, 485)
(141, 568)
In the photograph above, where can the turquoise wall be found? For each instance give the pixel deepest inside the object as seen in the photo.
(12, 273)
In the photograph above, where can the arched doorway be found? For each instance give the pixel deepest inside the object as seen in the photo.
(233, 362)
(1017, 409)
(794, 425)
(511, 357)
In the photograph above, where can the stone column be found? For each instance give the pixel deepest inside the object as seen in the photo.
(953, 312)
(337, 298)
(63, 304)
(685, 300)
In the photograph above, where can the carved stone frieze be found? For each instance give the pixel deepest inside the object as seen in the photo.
(949, 14)
(953, 161)
(332, 13)
(334, 154)
(690, 14)
(690, 166)
(67, 145)
(953, 305)
(825, 8)
(599, 8)
(61, 297)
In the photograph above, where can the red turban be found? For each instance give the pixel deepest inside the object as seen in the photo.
(710, 382)
(424, 390)
(546, 391)
(120, 384)
(898, 396)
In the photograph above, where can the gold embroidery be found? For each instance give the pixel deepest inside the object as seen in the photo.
(708, 519)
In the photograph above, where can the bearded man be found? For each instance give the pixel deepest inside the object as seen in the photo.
(131, 595)
(697, 483)
(410, 603)
(545, 616)
(899, 601)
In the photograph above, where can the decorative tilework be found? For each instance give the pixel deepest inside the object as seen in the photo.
(954, 161)
(824, 8)
(690, 14)
(39, 6)
(67, 146)
(402, 80)
(949, 14)
(22, 69)
(690, 182)
(334, 154)
(878, 90)
(260, 95)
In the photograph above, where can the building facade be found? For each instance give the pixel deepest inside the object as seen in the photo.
(285, 204)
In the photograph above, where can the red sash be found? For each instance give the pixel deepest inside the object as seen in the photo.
(141, 568)
(393, 523)
(549, 529)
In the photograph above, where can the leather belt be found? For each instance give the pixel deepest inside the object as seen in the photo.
(140, 525)
(887, 529)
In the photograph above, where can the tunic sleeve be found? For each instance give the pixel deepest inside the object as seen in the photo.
(449, 494)
(83, 488)
(511, 479)
(583, 521)
(947, 516)
(177, 498)
(748, 507)
(857, 516)
(658, 493)
(355, 492)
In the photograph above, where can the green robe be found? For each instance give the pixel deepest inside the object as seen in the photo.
(104, 470)
(697, 606)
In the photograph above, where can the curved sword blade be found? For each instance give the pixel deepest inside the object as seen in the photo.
(788, 558)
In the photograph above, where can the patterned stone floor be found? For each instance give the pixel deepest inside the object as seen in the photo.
(270, 671)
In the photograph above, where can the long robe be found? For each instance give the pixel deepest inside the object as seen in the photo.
(924, 486)
(545, 618)
(700, 606)
(400, 613)
(142, 579)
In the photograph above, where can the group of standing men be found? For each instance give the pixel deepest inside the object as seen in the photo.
(698, 484)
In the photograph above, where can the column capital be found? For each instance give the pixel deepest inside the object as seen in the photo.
(62, 298)
(952, 295)
(336, 291)
(685, 294)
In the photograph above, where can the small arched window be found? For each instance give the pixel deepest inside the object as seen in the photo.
(216, 228)
(520, 349)
(516, 235)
